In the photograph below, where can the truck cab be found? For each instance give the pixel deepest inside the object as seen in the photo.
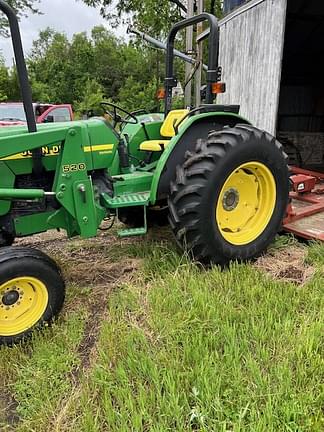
(13, 114)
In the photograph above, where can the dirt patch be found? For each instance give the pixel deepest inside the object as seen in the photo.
(97, 308)
(287, 264)
(89, 340)
(93, 269)
(97, 261)
(87, 347)
(98, 264)
(8, 410)
(87, 268)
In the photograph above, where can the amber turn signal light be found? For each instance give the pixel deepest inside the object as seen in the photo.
(160, 94)
(218, 87)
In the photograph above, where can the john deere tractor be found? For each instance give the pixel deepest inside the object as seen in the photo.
(223, 182)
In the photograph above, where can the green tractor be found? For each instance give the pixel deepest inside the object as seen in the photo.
(223, 183)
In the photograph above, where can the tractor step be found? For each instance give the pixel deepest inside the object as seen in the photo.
(128, 200)
(132, 232)
(140, 199)
(138, 231)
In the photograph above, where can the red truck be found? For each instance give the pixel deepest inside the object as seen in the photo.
(13, 114)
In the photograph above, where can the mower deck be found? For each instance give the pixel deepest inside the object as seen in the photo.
(305, 216)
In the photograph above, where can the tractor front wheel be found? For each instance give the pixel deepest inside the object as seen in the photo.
(32, 292)
(230, 196)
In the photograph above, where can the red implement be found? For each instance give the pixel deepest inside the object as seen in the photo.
(305, 214)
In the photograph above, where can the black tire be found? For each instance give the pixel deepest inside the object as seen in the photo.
(26, 264)
(198, 185)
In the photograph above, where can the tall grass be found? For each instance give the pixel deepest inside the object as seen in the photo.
(181, 348)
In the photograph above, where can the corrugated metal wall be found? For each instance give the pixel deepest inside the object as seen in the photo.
(251, 45)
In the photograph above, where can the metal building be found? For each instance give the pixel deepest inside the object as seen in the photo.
(271, 54)
(229, 5)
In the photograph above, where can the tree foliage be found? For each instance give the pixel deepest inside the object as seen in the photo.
(85, 69)
(4, 81)
(90, 99)
(153, 16)
(22, 8)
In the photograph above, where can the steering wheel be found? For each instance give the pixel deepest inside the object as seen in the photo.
(140, 111)
(117, 118)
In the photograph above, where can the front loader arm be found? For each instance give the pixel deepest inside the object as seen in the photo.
(72, 187)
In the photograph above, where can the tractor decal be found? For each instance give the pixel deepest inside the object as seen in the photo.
(55, 150)
(74, 167)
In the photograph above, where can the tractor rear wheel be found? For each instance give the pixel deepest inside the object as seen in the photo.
(230, 196)
(32, 292)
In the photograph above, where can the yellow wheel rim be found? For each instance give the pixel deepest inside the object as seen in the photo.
(23, 302)
(246, 203)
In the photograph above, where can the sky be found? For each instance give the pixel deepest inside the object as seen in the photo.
(69, 16)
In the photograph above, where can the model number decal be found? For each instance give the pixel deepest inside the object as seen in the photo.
(74, 167)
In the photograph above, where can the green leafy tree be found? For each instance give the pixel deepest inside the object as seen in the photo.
(135, 95)
(148, 15)
(108, 65)
(13, 89)
(83, 70)
(91, 99)
(41, 92)
(80, 64)
(49, 64)
(153, 16)
(4, 80)
(22, 8)
(64, 71)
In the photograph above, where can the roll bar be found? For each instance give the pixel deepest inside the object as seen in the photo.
(21, 65)
(213, 45)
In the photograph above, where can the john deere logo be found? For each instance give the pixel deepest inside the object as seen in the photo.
(45, 151)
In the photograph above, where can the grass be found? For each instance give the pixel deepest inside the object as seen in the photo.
(174, 348)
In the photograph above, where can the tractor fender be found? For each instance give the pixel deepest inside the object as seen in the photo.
(190, 131)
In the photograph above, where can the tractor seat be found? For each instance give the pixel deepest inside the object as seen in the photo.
(168, 130)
